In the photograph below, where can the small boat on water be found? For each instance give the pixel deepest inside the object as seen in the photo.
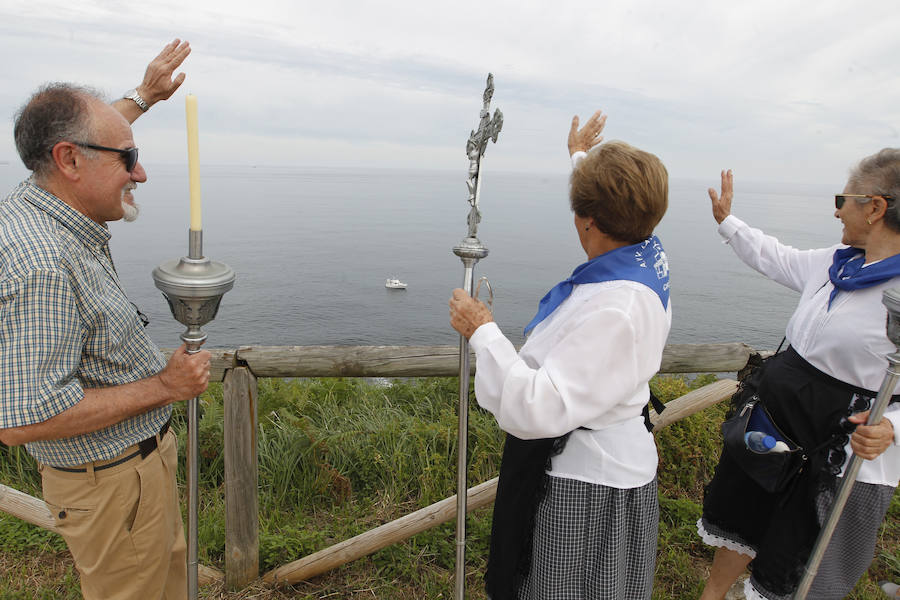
(394, 284)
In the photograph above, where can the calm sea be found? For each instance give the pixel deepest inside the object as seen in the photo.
(313, 247)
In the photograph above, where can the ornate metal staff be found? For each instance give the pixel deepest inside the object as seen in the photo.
(193, 286)
(891, 300)
(470, 251)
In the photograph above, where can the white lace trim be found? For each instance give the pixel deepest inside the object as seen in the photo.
(751, 593)
(720, 542)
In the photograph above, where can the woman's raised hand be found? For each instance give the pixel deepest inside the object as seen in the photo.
(467, 314)
(582, 140)
(721, 205)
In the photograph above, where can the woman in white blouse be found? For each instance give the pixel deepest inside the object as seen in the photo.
(816, 391)
(576, 511)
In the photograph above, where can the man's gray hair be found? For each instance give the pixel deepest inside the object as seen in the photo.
(56, 112)
(879, 174)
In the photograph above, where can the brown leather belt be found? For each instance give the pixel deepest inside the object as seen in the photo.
(145, 447)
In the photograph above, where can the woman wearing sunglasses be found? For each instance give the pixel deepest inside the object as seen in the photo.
(817, 393)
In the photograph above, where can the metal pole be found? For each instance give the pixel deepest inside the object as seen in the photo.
(193, 499)
(195, 252)
(891, 300)
(193, 286)
(470, 251)
(462, 485)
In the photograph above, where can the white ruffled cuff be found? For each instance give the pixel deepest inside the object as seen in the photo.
(751, 593)
(720, 542)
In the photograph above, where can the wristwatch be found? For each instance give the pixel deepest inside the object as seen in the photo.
(133, 95)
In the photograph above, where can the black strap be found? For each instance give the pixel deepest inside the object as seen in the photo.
(783, 340)
(658, 406)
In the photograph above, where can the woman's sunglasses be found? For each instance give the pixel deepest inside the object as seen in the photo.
(839, 199)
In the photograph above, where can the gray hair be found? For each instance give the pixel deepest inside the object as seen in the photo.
(56, 112)
(879, 174)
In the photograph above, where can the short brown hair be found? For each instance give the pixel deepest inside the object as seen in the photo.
(625, 191)
(56, 112)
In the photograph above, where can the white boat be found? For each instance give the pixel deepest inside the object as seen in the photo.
(394, 284)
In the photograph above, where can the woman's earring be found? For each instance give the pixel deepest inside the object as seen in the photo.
(869, 221)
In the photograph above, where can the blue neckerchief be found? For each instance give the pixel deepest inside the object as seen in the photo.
(846, 272)
(644, 262)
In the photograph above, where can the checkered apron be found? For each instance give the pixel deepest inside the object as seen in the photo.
(593, 542)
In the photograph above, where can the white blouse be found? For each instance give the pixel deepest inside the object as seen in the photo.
(848, 342)
(586, 365)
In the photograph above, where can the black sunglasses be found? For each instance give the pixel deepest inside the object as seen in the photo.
(839, 199)
(129, 155)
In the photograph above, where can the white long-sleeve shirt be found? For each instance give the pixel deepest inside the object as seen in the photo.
(586, 365)
(847, 341)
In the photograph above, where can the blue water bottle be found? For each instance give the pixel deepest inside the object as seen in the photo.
(759, 442)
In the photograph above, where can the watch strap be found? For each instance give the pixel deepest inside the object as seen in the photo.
(133, 95)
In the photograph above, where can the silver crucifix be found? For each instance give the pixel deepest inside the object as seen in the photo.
(488, 129)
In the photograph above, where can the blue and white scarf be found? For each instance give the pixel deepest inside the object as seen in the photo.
(846, 272)
(644, 262)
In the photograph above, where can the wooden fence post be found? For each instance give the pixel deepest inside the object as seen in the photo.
(241, 479)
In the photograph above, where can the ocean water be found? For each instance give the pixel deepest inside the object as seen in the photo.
(312, 247)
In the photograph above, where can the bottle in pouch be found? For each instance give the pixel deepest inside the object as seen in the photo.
(780, 447)
(759, 442)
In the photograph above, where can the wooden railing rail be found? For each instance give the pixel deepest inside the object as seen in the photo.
(430, 361)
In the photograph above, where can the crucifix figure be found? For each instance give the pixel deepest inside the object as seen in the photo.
(488, 129)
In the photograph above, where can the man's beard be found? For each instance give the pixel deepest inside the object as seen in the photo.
(131, 211)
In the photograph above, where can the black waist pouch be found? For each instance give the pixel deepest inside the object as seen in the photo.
(772, 471)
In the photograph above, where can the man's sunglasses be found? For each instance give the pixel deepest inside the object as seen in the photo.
(129, 155)
(839, 199)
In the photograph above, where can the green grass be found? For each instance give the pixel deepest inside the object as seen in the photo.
(338, 457)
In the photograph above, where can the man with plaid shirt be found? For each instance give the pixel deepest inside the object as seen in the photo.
(81, 383)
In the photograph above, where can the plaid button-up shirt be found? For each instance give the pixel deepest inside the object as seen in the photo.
(66, 325)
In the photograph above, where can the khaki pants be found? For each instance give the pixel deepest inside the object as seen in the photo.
(123, 525)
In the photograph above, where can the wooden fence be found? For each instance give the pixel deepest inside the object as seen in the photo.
(239, 369)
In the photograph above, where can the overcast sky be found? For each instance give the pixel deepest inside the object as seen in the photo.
(779, 90)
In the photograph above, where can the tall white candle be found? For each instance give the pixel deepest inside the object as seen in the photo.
(193, 161)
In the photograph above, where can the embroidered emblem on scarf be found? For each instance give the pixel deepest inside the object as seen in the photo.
(847, 273)
(644, 262)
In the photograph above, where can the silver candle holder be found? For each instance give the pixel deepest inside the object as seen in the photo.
(193, 286)
(470, 250)
(891, 300)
